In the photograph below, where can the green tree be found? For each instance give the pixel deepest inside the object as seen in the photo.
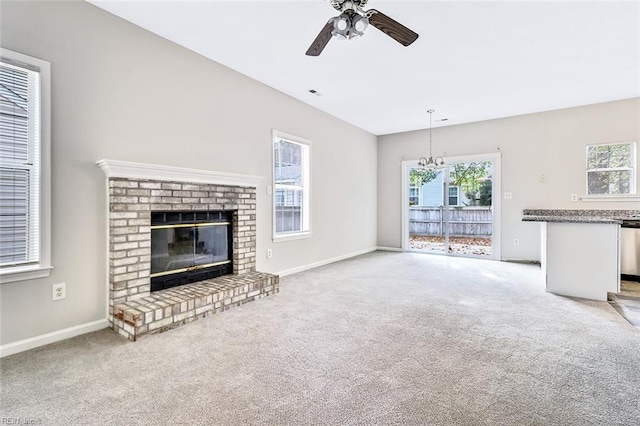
(470, 177)
(485, 193)
(418, 177)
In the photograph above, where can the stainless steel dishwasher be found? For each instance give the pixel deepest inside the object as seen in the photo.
(630, 249)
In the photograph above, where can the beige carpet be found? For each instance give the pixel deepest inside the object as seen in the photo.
(385, 338)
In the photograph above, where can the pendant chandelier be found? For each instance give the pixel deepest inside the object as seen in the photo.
(430, 164)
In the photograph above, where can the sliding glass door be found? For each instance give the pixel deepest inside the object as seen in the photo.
(450, 210)
(427, 228)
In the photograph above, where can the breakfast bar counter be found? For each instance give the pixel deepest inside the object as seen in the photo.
(580, 250)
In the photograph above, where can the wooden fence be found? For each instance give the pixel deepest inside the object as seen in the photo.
(287, 219)
(463, 221)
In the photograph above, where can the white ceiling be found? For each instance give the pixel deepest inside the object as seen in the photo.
(474, 60)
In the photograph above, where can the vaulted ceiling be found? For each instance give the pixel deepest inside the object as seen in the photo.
(474, 60)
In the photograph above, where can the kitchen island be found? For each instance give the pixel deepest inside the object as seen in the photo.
(580, 250)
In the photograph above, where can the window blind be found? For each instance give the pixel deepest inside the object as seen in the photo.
(19, 164)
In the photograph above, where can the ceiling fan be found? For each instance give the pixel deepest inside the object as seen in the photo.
(352, 22)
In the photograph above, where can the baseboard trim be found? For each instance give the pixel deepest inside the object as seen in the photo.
(382, 248)
(523, 261)
(325, 262)
(56, 336)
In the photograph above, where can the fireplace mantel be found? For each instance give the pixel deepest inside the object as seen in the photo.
(131, 170)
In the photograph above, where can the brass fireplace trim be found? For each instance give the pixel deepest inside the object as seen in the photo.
(190, 225)
(189, 269)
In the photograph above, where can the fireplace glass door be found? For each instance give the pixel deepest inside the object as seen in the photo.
(187, 252)
(181, 247)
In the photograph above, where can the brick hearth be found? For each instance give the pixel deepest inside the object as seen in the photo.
(166, 309)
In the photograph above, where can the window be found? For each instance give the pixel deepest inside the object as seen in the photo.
(453, 195)
(414, 196)
(291, 186)
(24, 167)
(611, 169)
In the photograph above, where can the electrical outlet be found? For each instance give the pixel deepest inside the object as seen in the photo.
(543, 178)
(516, 242)
(574, 197)
(269, 190)
(58, 291)
(269, 254)
(508, 195)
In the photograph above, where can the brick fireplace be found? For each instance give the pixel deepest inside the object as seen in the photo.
(138, 190)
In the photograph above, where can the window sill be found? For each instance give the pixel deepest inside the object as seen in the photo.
(606, 198)
(291, 237)
(24, 273)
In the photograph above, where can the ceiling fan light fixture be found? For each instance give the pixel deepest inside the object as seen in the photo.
(342, 23)
(341, 26)
(359, 24)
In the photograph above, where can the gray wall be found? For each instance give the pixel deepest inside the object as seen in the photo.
(122, 93)
(550, 143)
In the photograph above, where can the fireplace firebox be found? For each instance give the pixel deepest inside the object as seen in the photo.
(190, 246)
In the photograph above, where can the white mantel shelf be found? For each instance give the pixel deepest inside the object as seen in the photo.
(131, 170)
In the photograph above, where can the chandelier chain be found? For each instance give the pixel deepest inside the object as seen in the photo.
(430, 163)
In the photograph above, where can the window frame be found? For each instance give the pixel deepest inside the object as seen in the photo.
(42, 268)
(633, 170)
(417, 189)
(457, 196)
(306, 187)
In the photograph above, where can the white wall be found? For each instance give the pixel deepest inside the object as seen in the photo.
(122, 93)
(550, 143)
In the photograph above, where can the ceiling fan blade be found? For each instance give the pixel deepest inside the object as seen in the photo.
(321, 40)
(392, 28)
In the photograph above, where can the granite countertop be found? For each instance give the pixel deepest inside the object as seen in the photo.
(571, 219)
(579, 216)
